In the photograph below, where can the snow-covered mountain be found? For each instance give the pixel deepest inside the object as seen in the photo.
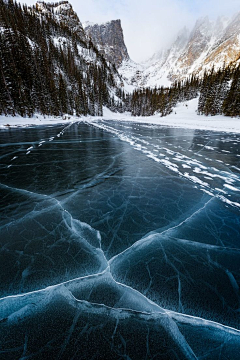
(108, 37)
(210, 43)
(62, 13)
(49, 65)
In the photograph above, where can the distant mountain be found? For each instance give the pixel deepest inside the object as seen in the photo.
(208, 44)
(108, 37)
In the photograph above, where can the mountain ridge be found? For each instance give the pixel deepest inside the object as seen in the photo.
(208, 44)
(49, 65)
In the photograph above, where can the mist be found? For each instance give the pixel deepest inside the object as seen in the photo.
(151, 25)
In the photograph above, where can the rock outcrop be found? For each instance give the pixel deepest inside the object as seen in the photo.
(109, 39)
(63, 13)
(208, 44)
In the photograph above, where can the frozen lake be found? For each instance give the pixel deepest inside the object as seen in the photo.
(119, 241)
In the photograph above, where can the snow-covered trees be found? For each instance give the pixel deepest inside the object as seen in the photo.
(231, 103)
(146, 102)
(220, 92)
(39, 73)
(49, 66)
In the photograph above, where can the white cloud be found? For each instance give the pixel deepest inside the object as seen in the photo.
(215, 8)
(149, 25)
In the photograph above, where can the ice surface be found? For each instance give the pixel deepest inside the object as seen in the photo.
(119, 241)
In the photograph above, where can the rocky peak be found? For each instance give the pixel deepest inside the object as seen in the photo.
(109, 39)
(201, 32)
(63, 13)
(198, 42)
(220, 26)
(227, 48)
(202, 23)
(182, 37)
(210, 43)
(233, 28)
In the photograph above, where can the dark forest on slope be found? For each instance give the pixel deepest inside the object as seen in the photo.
(48, 65)
(219, 94)
(38, 75)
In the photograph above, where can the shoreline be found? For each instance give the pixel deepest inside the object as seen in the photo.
(183, 116)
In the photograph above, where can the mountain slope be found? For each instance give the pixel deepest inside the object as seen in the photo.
(49, 65)
(208, 44)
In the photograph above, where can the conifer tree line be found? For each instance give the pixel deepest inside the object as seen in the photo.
(147, 102)
(38, 75)
(220, 92)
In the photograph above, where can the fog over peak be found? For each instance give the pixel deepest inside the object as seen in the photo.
(151, 25)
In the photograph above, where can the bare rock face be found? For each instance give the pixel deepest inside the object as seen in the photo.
(198, 42)
(210, 43)
(227, 49)
(109, 40)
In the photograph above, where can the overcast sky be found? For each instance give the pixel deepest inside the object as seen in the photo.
(150, 25)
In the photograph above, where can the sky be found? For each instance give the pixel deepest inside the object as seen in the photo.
(150, 25)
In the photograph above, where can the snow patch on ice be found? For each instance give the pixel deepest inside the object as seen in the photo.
(184, 115)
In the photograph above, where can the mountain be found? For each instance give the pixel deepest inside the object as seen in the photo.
(208, 44)
(108, 37)
(49, 65)
(53, 65)
(63, 14)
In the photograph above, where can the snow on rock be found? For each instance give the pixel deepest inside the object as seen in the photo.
(210, 43)
(108, 38)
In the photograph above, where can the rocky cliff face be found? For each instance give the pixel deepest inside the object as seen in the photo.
(208, 44)
(227, 48)
(109, 40)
